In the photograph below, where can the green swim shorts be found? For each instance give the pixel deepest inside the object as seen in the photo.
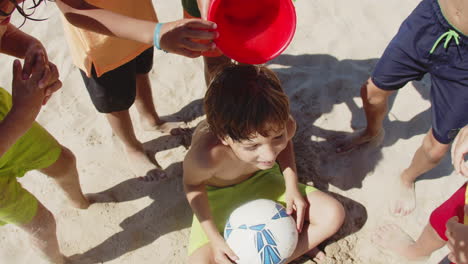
(265, 184)
(191, 7)
(36, 149)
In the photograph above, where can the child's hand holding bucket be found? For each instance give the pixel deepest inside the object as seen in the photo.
(178, 37)
(210, 53)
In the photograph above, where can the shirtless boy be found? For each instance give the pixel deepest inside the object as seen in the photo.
(243, 151)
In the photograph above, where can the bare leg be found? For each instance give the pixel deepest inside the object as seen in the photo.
(375, 107)
(203, 255)
(145, 106)
(213, 65)
(140, 163)
(65, 173)
(325, 217)
(393, 238)
(42, 230)
(428, 155)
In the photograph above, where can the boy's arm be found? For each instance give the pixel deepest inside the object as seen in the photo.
(175, 37)
(286, 158)
(27, 102)
(12, 127)
(194, 186)
(16, 43)
(287, 163)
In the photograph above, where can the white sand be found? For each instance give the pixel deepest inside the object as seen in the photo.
(336, 45)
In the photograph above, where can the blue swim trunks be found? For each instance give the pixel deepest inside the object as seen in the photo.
(415, 51)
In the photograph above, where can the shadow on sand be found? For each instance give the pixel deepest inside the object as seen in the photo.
(162, 216)
(315, 85)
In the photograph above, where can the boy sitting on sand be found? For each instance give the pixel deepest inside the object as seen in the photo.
(243, 151)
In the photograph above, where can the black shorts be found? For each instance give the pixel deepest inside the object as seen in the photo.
(115, 90)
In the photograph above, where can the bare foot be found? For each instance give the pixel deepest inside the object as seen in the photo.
(393, 238)
(404, 201)
(173, 128)
(143, 167)
(316, 255)
(358, 139)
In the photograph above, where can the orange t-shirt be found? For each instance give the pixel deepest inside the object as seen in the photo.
(105, 52)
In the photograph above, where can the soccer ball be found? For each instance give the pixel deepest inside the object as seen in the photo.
(261, 232)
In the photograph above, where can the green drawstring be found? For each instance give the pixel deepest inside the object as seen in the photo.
(448, 36)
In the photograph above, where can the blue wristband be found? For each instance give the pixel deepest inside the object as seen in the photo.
(156, 37)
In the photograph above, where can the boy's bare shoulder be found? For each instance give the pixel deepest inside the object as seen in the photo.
(206, 151)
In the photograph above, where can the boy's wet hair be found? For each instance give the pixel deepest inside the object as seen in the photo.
(243, 100)
(21, 9)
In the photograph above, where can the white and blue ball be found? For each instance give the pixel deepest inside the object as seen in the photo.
(261, 232)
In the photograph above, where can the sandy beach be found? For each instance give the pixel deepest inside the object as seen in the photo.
(336, 45)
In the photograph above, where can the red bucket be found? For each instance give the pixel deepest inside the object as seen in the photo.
(253, 31)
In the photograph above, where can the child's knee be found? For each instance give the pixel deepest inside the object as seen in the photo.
(68, 156)
(67, 160)
(43, 223)
(434, 150)
(202, 255)
(371, 94)
(335, 215)
(332, 215)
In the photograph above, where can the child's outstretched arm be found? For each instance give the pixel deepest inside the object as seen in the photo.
(294, 200)
(27, 101)
(175, 37)
(194, 186)
(16, 43)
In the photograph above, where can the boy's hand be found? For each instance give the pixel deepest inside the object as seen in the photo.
(26, 94)
(179, 37)
(222, 253)
(36, 53)
(295, 202)
(33, 54)
(51, 80)
(459, 150)
(457, 235)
